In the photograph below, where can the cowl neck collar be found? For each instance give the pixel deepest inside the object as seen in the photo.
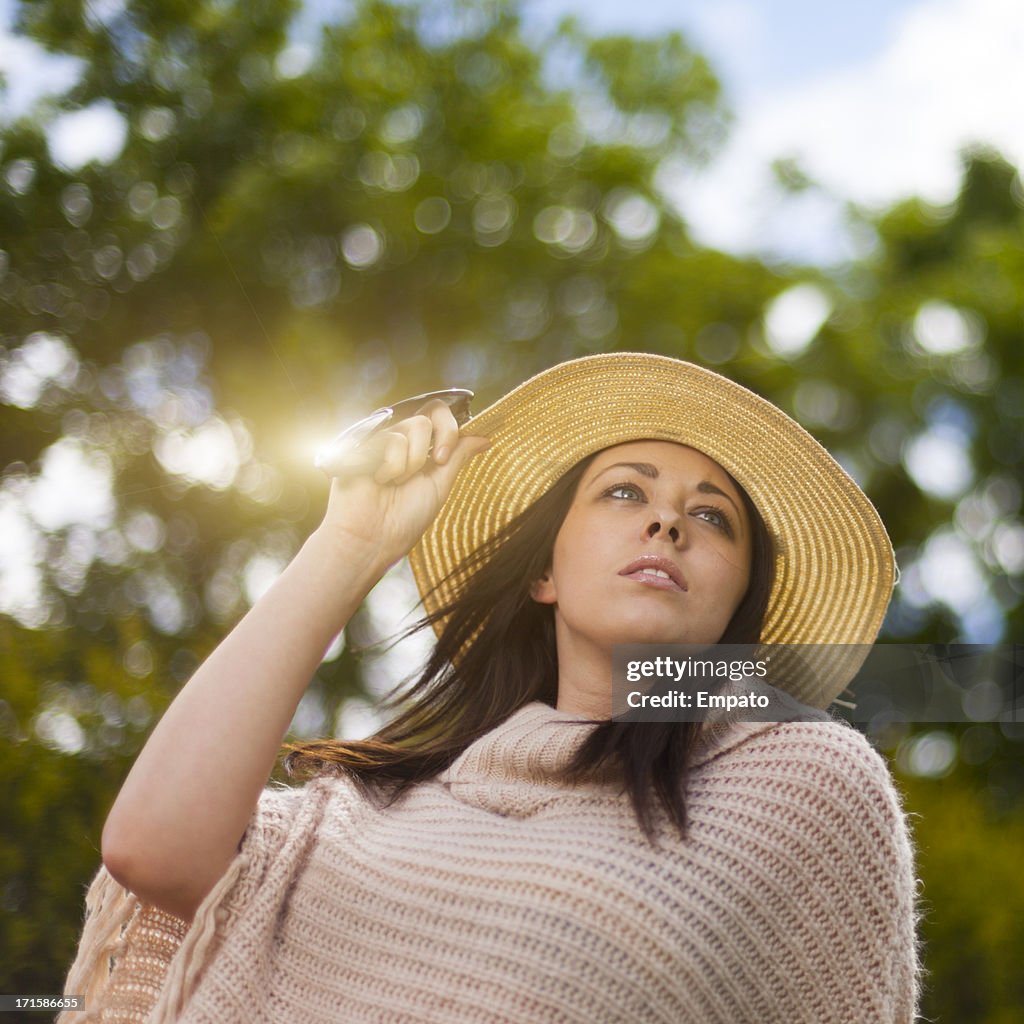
(515, 769)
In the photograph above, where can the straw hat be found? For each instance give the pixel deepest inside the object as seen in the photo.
(834, 569)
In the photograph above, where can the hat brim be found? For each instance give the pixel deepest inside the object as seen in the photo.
(834, 563)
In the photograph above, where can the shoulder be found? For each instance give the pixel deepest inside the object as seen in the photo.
(819, 785)
(284, 811)
(819, 798)
(798, 835)
(280, 833)
(831, 746)
(830, 759)
(811, 751)
(815, 807)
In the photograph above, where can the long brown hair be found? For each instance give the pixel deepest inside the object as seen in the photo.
(496, 653)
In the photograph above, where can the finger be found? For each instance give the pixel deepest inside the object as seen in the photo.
(446, 429)
(418, 431)
(467, 448)
(394, 456)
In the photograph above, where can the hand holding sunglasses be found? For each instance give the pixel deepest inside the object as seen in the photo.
(358, 450)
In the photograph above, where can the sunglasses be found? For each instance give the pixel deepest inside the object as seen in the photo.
(349, 455)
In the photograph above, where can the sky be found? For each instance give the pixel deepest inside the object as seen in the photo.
(872, 100)
(770, 43)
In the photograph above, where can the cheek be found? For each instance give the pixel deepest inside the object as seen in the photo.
(569, 557)
(731, 570)
(558, 578)
(729, 559)
(575, 580)
(742, 584)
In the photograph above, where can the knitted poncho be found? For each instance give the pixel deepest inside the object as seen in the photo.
(494, 893)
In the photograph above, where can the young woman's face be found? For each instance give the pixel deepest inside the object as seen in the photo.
(655, 548)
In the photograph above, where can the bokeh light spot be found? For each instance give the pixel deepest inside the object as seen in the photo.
(794, 318)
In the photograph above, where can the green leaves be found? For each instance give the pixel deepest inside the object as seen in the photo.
(297, 230)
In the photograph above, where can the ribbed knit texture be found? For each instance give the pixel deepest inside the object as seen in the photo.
(495, 893)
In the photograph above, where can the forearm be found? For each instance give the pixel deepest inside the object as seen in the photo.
(179, 817)
(178, 820)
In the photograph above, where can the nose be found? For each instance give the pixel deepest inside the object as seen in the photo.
(665, 526)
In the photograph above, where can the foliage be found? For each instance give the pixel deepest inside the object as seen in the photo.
(432, 198)
(969, 863)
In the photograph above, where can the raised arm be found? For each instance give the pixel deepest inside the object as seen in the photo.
(180, 815)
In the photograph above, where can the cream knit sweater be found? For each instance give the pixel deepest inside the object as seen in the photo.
(494, 894)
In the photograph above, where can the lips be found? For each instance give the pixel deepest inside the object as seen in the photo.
(653, 571)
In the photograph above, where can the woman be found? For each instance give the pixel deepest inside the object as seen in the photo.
(502, 851)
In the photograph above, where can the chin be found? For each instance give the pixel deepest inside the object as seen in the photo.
(650, 631)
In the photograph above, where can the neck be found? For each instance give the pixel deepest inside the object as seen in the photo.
(584, 676)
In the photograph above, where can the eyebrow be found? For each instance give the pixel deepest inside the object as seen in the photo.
(651, 471)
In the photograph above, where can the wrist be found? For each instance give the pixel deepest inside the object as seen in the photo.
(358, 560)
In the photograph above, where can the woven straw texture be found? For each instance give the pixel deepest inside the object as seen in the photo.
(835, 568)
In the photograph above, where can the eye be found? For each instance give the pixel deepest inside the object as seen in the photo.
(628, 492)
(717, 517)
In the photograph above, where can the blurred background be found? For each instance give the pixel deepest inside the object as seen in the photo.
(228, 229)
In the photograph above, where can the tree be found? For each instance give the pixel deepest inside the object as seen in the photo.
(430, 197)
(276, 248)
